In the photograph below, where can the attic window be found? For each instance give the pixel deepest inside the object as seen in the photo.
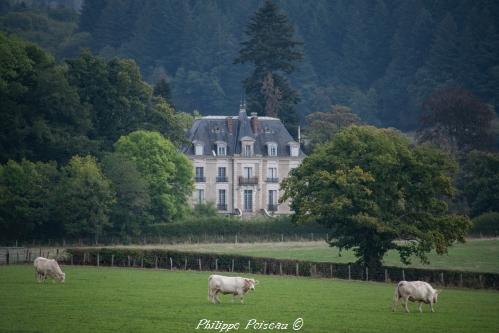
(268, 130)
(272, 149)
(217, 130)
(198, 148)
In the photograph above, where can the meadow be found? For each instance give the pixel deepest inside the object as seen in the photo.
(137, 300)
(477, 255)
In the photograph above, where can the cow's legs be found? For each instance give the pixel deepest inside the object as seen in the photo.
(420, 305)
(395, 304)
(217, 299)
(431, 307)
(406, 301)
(210, 295)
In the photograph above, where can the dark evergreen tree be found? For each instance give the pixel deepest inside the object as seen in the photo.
(271, 48)
(162, 89)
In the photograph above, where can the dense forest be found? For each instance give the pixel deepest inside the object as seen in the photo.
(381, 58)
(96, 97)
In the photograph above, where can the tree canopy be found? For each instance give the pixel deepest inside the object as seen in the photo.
(378, 192)
(168, 173)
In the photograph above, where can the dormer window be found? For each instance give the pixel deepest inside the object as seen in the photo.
(221, 148)
(247, 144)
(272, 149)
(198, 148)
(247, 149)
(294, 149)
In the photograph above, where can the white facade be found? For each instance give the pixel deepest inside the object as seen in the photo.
(239, 163)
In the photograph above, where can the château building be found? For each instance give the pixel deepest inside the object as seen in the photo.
(240, 161)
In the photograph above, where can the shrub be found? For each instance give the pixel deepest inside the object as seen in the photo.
(486, 224)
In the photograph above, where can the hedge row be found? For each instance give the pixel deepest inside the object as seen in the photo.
(232, 226)
(177, 260)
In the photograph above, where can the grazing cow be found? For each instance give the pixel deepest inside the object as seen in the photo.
(48, 267)
(415, 291)
(237, 286)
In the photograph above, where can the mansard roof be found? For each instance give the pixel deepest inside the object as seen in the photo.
(231, 129)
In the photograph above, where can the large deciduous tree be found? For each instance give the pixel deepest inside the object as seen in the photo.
(131, 212)
(481, 182)
(322, 126)
(457, 120)
(25, 192)
(377, 192)
(41, 117)
(167, 172)
(274, 52)
(83, 199)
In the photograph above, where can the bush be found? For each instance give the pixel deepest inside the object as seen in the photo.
(229, 226)
(486, 224)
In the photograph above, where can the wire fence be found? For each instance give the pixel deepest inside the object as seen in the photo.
(215, 262)
(178, 260)
(199, 238)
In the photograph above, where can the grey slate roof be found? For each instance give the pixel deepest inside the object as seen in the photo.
(208, 130)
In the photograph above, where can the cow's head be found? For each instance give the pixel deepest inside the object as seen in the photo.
(250, 283)
(435, 295)
(62, 277)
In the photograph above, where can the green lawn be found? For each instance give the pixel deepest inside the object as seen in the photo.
(134, 300)
(474, 255)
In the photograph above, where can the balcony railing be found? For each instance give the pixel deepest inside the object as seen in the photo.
(248, 180)
(200, 179)
(272, 180)
(272, 208)
(222, 206)
(222, 179)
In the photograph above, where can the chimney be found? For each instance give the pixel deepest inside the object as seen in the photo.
(229, 124)
(254, 122)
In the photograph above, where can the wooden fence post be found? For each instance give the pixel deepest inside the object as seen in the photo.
(461, 279)
(156, 262)
(249, 266)
(236, 238)
(216, 264)
(112, 260)
(442, 278)
(403, 275)
(185, 263)
(142, 261)
(17, 256)
(232, 265)
(386, 275)
(280, 268)
(128, 261)
(282, 237)
(7, 257)
(297, 269)
(199, 260)
(98, 259)
(331, 270)
(171, 264)
(71, 260)
(349, 273)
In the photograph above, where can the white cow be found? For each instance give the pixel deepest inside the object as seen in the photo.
(237, 286)
(48, 267)
(415, 291)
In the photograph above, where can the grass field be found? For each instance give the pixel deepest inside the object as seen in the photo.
(134, 300)
(474, 255)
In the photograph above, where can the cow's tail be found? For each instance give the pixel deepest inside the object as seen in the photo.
(209, 288)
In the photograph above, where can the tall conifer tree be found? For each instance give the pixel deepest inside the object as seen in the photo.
(273, 50)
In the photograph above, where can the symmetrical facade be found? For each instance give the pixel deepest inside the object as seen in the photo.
(239, 162)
